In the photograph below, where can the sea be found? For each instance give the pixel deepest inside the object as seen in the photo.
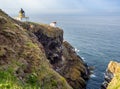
(95, 38)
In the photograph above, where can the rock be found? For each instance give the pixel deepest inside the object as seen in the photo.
(114, 67)
(2, 20)
(73, 67)
(35, 54)
(52, 46)
(61, 55)
(23, 61)
(112, 76)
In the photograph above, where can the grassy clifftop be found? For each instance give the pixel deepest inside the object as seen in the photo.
(114, 68)
(23, 63)
(44, 28)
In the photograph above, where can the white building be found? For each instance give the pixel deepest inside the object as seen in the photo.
(53, 24)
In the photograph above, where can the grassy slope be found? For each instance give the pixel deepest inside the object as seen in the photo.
(114, 67)
(23, 64)
(115, 82)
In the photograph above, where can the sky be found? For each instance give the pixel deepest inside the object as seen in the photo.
(99, 7)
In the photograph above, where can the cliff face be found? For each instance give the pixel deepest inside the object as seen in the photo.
(112, 76)
(23, 62)
(34, 56)
(52, 43)
(61, 55)
(73, 68)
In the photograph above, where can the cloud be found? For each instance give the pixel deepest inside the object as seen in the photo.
(61, 6)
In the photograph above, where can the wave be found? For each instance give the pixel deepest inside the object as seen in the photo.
(83, 59)
(77, 50)
(93, 76)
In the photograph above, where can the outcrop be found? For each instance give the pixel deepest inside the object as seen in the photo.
(34, 56)
(73, 67)
(61, 54)
(112, 76)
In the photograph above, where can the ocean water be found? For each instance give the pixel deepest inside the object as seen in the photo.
(97, 39)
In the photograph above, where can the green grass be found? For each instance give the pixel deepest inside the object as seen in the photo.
(8, 81)
(115, 82)
(25, 65)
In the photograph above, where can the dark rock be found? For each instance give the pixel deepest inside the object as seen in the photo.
(73, 67)
(108, 77)
(62, 55)
(52, 46)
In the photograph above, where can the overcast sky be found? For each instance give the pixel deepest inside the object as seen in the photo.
(62, 6)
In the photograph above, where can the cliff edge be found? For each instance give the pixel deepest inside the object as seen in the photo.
(34, 56)
(112, 76)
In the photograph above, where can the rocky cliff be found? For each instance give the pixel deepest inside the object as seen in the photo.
(34, 56)
(112, 76)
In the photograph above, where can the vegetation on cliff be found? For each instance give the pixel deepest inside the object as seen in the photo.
(112, 76)
(61, 55)
(23, 64)
(114, 68)
(34, 56)
(74, 69)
